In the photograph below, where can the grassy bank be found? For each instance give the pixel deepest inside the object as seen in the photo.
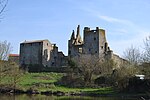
(45, 82)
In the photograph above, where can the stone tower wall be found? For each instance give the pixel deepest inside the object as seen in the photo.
(91, 41)
(30, 53)
(94, 41)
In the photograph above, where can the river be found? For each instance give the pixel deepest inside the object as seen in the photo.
(44, 97)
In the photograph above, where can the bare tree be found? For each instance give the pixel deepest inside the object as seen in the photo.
(146, 58)
(146, 55)
(5, 49)
(133, 55)
(3, 4)
(90, 65)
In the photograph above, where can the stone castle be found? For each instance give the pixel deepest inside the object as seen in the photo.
(94, 42)
(43, 53)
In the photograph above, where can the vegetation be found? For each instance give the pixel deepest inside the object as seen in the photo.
(46, 82)
(10, 74)
(88, 74)
(84, 70)
(5, 49)
(3, 4)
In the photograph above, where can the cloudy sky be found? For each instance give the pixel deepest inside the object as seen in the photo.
(127, 22)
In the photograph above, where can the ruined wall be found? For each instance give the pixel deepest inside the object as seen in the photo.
(119, 61)
(46, 52)
(42, 53)
(75, 44)
(94, 42)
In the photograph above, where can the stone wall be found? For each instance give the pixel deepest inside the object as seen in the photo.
(31, 53)
(94, 43)
(41, 53)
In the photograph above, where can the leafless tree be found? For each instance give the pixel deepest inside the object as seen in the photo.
(146, 55)
(133, 55)
(146, 58)
(90, 65)
(5, 49)
(3, 4)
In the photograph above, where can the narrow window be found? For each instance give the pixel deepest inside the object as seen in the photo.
(80, 50)
(89, 49)
(52, 63)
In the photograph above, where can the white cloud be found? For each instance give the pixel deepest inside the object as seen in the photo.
(107, 18)
(114, 20)
(131, 33)
(137, 41)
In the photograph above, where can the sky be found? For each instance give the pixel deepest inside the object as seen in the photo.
(126, 22)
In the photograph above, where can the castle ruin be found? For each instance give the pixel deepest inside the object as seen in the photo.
(94, 43)
(43, 53)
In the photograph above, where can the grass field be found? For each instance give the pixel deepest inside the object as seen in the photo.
(45, 82)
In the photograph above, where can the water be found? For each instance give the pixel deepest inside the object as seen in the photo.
(44, 97)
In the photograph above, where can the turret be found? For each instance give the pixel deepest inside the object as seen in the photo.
(78, 30)
(73, 35)
(78, 37)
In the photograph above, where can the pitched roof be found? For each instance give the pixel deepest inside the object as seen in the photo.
(13, 55)
(34, 41)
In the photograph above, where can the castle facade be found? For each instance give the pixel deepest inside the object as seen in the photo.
(94, 43)
(43, 53)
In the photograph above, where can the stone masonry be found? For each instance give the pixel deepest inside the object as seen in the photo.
(94, 43)
(43, 53)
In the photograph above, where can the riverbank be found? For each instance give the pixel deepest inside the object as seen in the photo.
(84, 93)
(44, 84)
(60, 92)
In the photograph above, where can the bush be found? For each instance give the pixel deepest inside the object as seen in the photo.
(121, 76)
(71, 81)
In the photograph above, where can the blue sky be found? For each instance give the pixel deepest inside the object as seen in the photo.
(127, 22)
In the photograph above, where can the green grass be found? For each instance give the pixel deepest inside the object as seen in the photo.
(45, 82)
(87, 90)
(39, 80)
(32, 78)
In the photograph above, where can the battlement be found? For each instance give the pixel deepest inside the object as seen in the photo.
(87, 30)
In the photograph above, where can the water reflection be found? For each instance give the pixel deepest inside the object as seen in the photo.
(44, 97)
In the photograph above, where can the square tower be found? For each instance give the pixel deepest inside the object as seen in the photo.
(94, 41)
